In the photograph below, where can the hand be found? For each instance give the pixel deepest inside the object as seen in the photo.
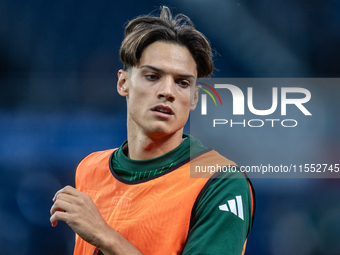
(79, 211)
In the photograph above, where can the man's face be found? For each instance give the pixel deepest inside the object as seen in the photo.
(158, 90)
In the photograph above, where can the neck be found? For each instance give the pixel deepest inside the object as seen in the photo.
(143, 147)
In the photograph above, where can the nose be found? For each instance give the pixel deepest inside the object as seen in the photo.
(166, 90)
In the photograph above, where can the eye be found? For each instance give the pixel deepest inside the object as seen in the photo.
(183, 83)
(151, 77)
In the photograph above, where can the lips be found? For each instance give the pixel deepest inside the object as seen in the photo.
(163, 109)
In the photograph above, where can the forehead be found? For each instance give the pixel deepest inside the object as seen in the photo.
(170, 58)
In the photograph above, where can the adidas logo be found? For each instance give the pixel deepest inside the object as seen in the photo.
(236, 207)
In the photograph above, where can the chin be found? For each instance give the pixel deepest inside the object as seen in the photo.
(159, 132)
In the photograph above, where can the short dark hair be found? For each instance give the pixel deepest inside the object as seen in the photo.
(145, 30)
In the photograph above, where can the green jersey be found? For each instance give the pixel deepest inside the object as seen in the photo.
(218, 226)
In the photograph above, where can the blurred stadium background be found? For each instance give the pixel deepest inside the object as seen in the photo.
(58, 103)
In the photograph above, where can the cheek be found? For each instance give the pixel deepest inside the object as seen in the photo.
(135, 97)
(137, 102)
(185, 106)
(189, 99)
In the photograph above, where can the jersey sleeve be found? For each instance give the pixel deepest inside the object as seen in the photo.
(222, 219)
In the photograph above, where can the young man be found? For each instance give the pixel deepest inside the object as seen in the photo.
(139, 198)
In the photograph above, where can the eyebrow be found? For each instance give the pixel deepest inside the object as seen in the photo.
(162, 71)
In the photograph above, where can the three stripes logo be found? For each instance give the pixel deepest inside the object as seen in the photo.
(204, 97)
(236, 207)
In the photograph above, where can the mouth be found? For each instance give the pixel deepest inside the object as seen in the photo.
(163, 109)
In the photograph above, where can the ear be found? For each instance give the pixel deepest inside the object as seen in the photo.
(122, 83)
(194, 98)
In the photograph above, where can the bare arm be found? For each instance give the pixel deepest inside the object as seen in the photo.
(79, 211)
